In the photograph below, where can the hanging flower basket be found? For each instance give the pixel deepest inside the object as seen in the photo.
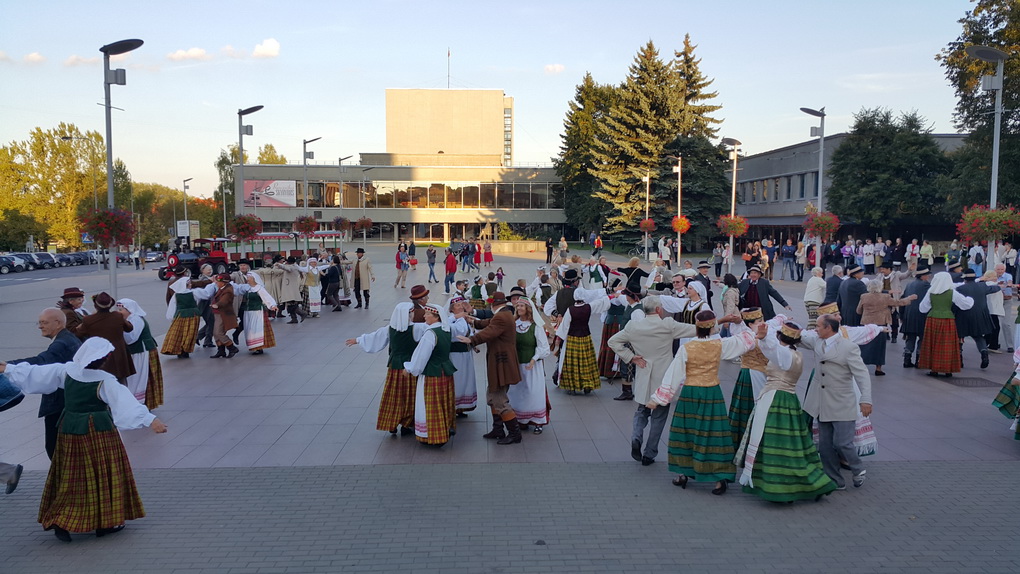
(981, 223)
(305, 224)
(246, 227)
(735, 226)
(822, 224)
(647, 225)
(341, 224)
(363, 223)
(681, 224)
(109, 226)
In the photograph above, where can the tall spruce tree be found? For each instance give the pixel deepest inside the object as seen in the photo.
(705, 193)
(694, 116)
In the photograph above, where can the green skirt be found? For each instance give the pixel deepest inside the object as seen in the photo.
(787, 467)
(1008, 403)
(741, 405)
(700, 443)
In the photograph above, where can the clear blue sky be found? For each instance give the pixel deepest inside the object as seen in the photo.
(322, 67)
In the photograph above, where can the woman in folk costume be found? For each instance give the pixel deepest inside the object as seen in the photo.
(529, 398)
(147, 382)
(434, 419)
(256, 302)
(90, 485)
(753, 373)
(777, 459)
(396, 407)
(700, 443)
(184, 316)
(612, 324)
(478, 296)
(1008, 399)
(311, 302)
(110, 326)
(940, 347)
(578, 367)
(465, 386)
(478, 254)
(874, 310)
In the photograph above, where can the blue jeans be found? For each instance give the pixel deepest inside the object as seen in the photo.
(432, 272)
(789, 266)
(659, 416)
(449, 281)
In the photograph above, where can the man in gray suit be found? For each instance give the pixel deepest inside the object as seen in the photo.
(831, 399)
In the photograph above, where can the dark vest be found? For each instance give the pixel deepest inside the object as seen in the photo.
(526, 345)
(579, 316)
(81, 405)
(144, 343)
(402, 345)
(564, 299)
(187, 307)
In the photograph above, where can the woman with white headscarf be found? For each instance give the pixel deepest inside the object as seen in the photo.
(465, 386)
(434, 419)
(147, 382)
(940, 347)
(530, 398)
(88, 443)
(184, 315)
(311, 304)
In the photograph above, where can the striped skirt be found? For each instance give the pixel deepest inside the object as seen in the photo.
(1008, 403)
(812, 315)
(700, 442)
(608, 364)
(258, 339)
(940, 347)
(90, 484)
(479, 303)
(154, 389)
(741, 405)
(396, 407)
(434, 409)
(579, 369)
(180, 338)
(777, 458)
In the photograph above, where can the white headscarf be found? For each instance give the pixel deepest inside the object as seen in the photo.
(91, 350)
(444, 316)
(536, 317)
(697, 286)
(132, 306)
(400, 319)
(941, 283)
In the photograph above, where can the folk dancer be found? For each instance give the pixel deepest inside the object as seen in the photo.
(940, 347)
(183, 312)
(396, 407)
(147, 382)
(465, 386)
(71, 305)
(913, 320)
(110, 326)
(632, 311)
(975, 322)
(578, 367)
(753, 374)
(434, 419)
(530, 398)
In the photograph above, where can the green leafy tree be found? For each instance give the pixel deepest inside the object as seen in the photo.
(16, 228)
(886, 171)
(706, 190)
(575, 163)
(268, 155)
(225, 168)
(122, 187)
(994, 23)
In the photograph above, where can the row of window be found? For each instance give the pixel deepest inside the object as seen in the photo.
(453, 195)
(785, 188)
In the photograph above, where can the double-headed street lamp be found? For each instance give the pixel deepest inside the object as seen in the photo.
(734, 144)
(119, 77)
(820, 132)
(997, 56)
(242, 130)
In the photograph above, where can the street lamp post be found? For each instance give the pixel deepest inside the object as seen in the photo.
(340, 163)
(242, 130)
(734, 144)
(119, 77)
(678, 170)
(820, 132)
(997, 56)
(186, 220)
(648, 190)
(305, 156)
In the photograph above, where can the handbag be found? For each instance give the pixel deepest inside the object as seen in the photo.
(746, 256)
(413, 261)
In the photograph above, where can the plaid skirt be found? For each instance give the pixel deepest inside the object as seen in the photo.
(434, 410)
(940, 347)
(90, 484)
(608, 364)
(741, 405)
(180, 338)
(154, 387)
(269, 338)
(305, 303)
(700, 442)
(396, 407)
(580, 369)
(1008, 403)
(478, 303)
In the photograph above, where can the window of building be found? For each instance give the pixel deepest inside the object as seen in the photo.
(765, 190)
(814, 188)
(556, 196)
(419, 194)
(436, 196)
(487, 192)
(522, 195)
(352, 195)
(331, 198)
(471, 196)
(788, 183)
(402, 194)
(539, 195)
(802, 177)
(776, 183)
(384, 194)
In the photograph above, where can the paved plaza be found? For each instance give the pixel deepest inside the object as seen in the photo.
(272, 464)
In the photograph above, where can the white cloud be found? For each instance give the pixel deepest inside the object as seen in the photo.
(76, 60)
(231, 52)
(189, 54)
(553, 69)
(269, 48)
(35, 58)
(4, 57)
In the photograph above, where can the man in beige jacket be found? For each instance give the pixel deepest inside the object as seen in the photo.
(363, 277)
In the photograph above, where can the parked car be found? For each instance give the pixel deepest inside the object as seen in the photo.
(46, 260)
(8, 264)
(80, 258)
(153, 256)
(64, 259)
(124, 257)
(31, 263)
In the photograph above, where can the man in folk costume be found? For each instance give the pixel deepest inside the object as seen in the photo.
(184, 315)
(88, 443)
(396, 407)
(110, 326)
(630, 306)
(147, 382)
(71, 305)
(290, 293)
(850, 295)
(363, 277)
(63, 345)
(499, 334)
(955, 270)
(430, 364)
(832, 400)
(465, 387)
(240, 277)
(222, 304)
(756, 291)
(612, 323)
(913, 319)
(703, 278)
(419, 298)
(893, 283)
(975, 322)
(647, 343)
(577, 364)
(753, 371)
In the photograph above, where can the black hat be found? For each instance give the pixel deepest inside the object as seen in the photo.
(885, 265)
(968, 274)
(922, 271)
(704, 265)
(516, 291)
(570, 275)
(244, 262)
(72, 293)
(854, 269)
(359, 250)
(631, 294)
(955, 265)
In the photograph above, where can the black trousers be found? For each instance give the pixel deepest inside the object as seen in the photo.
(992, 339)
(50, 424)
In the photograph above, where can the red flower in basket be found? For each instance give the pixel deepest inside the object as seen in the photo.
(305, 224)
(246, 227)
(647, 225)
(363, 223)
(681, 224)
(735, 226)
(341, 223)
(110, 226)
(822, 224)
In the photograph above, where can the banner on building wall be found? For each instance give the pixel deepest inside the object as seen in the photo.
(275, 193)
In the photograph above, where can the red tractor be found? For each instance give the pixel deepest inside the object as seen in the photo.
(203, 251)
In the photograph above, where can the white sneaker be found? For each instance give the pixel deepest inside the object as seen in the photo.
(859, 478)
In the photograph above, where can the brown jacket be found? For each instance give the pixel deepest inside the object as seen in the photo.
(500, 336)
(874, 308)
(111, 326)
(223, 300)
(72, 317)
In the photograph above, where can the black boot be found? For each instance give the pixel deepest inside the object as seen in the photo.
(984, 359)
(513, 433)
(366, 299)
(497, 428)
(906, 362)
(626, 393)
(221, 351)
(292, 311)
(183, 356)
(358, 306)
(231, 351)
